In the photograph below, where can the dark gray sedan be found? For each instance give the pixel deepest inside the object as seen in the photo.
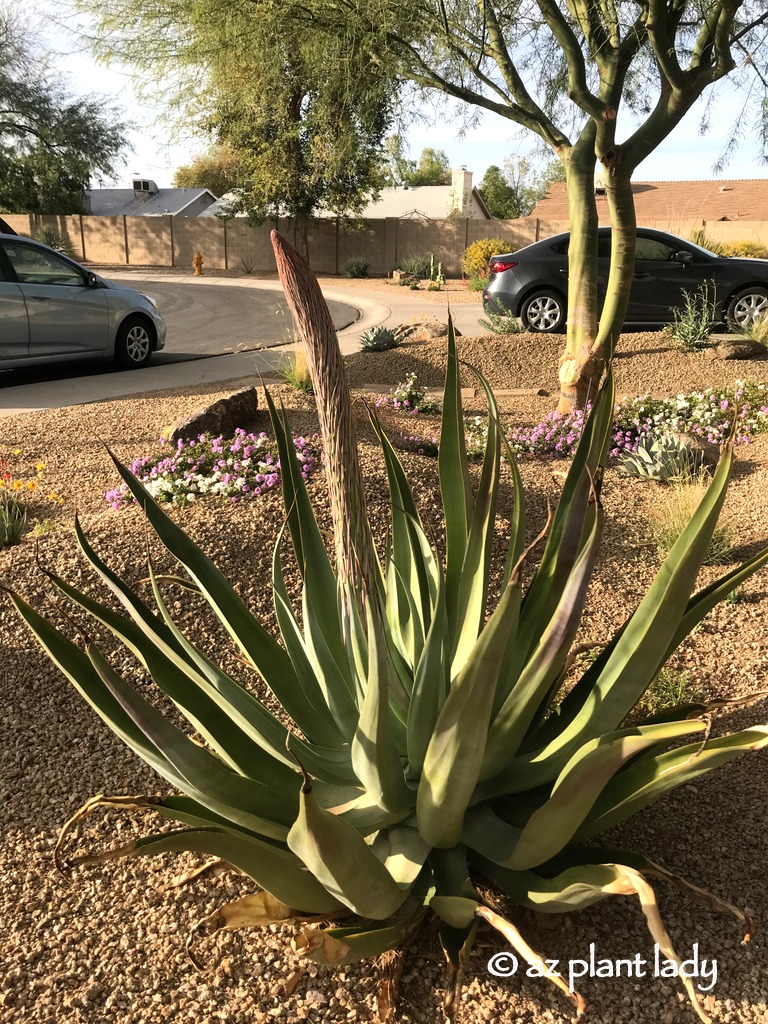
(533, 282)
(53, 310)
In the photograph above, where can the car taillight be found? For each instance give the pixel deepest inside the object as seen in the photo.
(497, 266)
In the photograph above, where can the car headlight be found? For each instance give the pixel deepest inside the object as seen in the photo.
(148, 298)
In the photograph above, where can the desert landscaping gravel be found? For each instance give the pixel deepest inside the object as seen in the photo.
(109, 946)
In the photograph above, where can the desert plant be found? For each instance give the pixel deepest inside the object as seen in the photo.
(13, 520)
(673, 513)
(744, 248)
(356, 266)
(379, 339)
(670, 689)
(246, 265)
(693, 322)
(416, 265)
(500, 320)
(756, 330)
(477, 284)
(660, 457)
(475, 260)
(296, 373)
(700, 237)
(409, 397)
(414, 757)
(53, 239)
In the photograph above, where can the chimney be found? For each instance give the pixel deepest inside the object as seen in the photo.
(461, 192)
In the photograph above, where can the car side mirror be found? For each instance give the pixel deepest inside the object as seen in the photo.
(683, 257)
(92, 280)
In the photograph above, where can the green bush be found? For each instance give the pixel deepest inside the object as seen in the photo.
(745, 248)
(692, 324)
(355, 267)
(379, 339)
(474, 262)
(417, 266)
(13, 520)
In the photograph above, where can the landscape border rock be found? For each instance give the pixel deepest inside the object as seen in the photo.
(222, 417)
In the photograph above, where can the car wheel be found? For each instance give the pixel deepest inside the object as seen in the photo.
(543, 312)
(134, 343)
(748, 306)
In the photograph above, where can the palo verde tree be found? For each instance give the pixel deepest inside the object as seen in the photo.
(51, 144)
(306, 114)
(599, 81)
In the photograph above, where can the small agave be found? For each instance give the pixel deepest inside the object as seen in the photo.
(431, 751)
(379, 339)
(661, 457)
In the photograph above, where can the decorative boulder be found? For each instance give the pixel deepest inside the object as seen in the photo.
(739, 348)
(222, 417)
(425, 330)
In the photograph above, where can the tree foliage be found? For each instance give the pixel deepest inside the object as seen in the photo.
(219, 170)
(51, 145)
(432, 168)
(514, 191)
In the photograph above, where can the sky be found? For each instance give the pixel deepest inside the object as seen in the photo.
(685, 156)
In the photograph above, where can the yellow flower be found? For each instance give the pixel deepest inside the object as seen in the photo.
(17, 485)
(16, 451)
(53, 496)
(31, 485)
(40, 467)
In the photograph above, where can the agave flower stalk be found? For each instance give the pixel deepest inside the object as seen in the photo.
(438, 752)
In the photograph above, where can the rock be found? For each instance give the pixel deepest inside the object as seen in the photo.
(222, 417)
(425, 330)
(705, 452)
(740, 348)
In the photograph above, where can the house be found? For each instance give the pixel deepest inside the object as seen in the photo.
(423, 202)
(709, 201)
(145, 199)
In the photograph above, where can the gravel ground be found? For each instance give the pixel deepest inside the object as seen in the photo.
(109, 948)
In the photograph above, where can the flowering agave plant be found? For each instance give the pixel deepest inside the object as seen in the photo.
(431, 750)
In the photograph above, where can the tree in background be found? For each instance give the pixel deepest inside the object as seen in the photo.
(433, 167)
(515, 191)
(51, 146)
(220, 170)
(305, 114)
(565, 70)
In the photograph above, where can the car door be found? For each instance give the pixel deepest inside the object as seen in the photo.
(659, 279)
(14, 327)
(65, 316)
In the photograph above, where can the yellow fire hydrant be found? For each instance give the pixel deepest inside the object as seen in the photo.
(197, 263)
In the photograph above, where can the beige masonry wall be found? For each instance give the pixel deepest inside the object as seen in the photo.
(236, 245)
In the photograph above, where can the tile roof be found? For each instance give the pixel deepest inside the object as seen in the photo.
(735, 199)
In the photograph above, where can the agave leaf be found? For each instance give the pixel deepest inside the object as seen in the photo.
(486, 833)
(473, 582)
(338, 946)
(338, 856)
(456, 911)
(258, 646)
(563, 543)
(546, 661)
(430, 687)
(276, 870)
(230, 734)
(456, 749)
(454, 481)
(611, 687)
(644, 782)
(375, 757)
(402, 851)
(316, 696)
(262, 807)
(580, 785)
(403, 617)
(517, 520)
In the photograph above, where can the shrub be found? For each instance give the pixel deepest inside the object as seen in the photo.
(669, 689)
(379, 339)
(296, 373)
(746, 248)
(477, 284)
(700, 237)
(407, 763)
(674, 512)
(13, 520)
(756, 330)
(474, 262)
(500, 320)
(692, 325)
(355, 267)
(417, 266)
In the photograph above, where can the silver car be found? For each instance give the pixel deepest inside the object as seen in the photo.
(53, 310)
